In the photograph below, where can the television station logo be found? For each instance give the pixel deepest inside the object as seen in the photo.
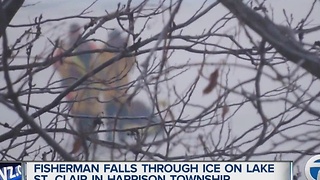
(10, 171)
(312, 168)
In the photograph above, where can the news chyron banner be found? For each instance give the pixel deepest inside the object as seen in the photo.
(11, 171)
(159, 170)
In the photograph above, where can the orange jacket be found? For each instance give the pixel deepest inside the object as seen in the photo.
(83, 100)
(115, 77)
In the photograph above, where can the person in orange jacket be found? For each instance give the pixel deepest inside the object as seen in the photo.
(83, 101)
(117, 81)
(122, 114)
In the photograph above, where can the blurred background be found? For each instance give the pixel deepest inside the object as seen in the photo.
(214, 119)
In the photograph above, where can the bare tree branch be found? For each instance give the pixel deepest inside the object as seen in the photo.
(288, 47)
(10, 8)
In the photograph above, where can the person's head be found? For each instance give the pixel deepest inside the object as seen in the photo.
(74, 33)
(115, 40)
(74, 28)
(114, 34)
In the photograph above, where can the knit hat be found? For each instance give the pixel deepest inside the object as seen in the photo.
(74, 27)
(114, 34)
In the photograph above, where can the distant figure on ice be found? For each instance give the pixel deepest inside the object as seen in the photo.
(83, 101)
(116, 78)
(122, 114)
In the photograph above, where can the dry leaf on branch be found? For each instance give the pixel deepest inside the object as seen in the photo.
(225, 110)
(212, 82)
(76, 145)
